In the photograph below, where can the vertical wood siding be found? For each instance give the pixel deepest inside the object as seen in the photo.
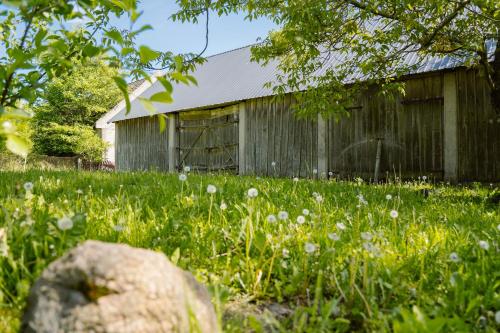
(410, 128)
(140, 145)
(479, 129)
(274, 134)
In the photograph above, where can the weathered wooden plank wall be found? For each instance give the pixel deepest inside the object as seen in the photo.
(140, 145)
(208, 140)
(479, 129)
(410, 128)
(274, 134)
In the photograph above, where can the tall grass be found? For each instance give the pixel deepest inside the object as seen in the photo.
(349, 257)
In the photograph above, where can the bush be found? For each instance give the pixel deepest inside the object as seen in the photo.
(63, 140)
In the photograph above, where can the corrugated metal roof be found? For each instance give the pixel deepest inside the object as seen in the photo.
(231, 77)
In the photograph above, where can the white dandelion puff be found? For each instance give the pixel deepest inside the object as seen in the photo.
(309, 247)
(394, 214)
(319, 199)
(283, 215)
(454, 257)
(305, 211)
(330, 173)
(223, 206)
(273, 164)
(211, 189)
(118, 228)
(252, 193)
(187, 169)
(340, 226)
(65, 223)
(333, 236)
(315, 194)
(183, 177)
(366, 236)
(295, 179)
(388, 197)
(28, 187)
(315, 171)
(301, 219)
(285, 253)
(271, 218)
(79, 191)
(484, 245)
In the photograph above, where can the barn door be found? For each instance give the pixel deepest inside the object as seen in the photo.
(208, 140)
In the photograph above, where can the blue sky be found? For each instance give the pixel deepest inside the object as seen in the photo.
(225, 33)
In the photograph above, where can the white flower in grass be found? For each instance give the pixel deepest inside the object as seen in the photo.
(394, 214)
(497, 317)
(319, 199)
(330, 173)
(388, 197)
(211, 189)
(315, 171)
(305, 211)
(295, 179)
(424, 178)
(79, 191)
(484, 245)
(315, 194)
(309, 247)
(187, 169)
(28, 187)
(271, 218)
(366, 236)
(454, 257)
(498, 227)
(283, 215)
(4, 246)
(223, 206)
(333, 236)
(183, 177)
(252, 193)
(118, 228)
(273, 164)
(301, 219)
(65, 223)
(340, 226)
(285, 253)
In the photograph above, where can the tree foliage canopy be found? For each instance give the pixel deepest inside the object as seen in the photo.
(370, 36)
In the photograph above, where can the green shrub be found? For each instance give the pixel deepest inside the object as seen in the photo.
(63, 140)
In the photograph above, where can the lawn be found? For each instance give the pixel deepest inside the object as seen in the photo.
(276, 254)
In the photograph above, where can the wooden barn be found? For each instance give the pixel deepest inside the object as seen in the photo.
(444, 127)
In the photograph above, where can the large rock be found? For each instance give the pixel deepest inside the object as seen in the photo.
(100, 287)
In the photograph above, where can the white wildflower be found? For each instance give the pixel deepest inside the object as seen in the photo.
(211, 189)
(315, 194)
(388, 197)
(333, 236)
(484, 245)
(252, 193)
(183, 177)
(295, 179)
(273, 164)
(301, 219)
(223, 206)
(394, 214)
(4, 246)
(340, 226)
(28, 187)
(65, 223)
(283, 215)
(118, 228)
(309, 247)
(366, 236)
(319, 199)
(305, 211)
(330, 173)
(454, 257)
(79, 191)
(271, 218)
(315, 171)
(187, 169)
(285, 253)
(424, 178)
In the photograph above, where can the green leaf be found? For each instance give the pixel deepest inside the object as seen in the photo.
(162, 120)
(162, 97)
(147, 55)
(115, 35)
(177, 76)
(147, 105)
(17, 145)
(165, 83)
(122, 85)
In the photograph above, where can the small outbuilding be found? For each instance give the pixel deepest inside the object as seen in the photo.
(444, 127)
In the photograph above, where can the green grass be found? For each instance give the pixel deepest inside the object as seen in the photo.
(382, 274)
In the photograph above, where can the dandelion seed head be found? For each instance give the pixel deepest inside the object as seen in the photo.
(211, 189)
(315, 194)
(484, 245)
(65, 223)
(424, 178)
(330, 173)
(319, 199)
(305, 211)
(223, 206)
(301, 219)
(252, 193)
(340, 226)
(118, 228)
(394, 214)
(366, 236)
(388, 197)
(285, 253)
(183, 177)
(315, 171)
(283, 215)
(333, 236)
(187, 169)
(309, 247)
(271, 218)
(454, 257)
(295, 179)
(79, 191)
(273, 164)
(28, 186)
